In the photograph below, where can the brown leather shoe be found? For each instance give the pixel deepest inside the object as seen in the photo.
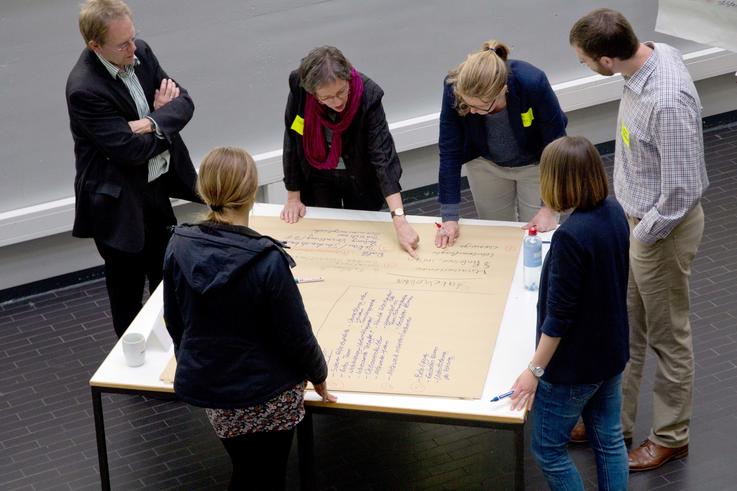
(650, 456)
(578, 433)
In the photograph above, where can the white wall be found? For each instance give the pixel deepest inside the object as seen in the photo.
(234, 57)
(59, 254)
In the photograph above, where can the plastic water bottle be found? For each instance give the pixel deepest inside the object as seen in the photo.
(533, 259)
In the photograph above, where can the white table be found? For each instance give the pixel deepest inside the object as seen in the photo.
(513, 350)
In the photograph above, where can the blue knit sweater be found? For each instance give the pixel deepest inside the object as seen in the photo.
(583, 296)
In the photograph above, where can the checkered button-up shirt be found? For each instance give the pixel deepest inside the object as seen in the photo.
(659, 169)
(159, 164)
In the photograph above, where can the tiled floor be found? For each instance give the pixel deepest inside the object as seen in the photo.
(50, 345)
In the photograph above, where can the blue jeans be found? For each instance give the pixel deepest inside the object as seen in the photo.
(555, 412)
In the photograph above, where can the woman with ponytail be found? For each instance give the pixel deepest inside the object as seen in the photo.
(243, 343)
(338, 152)
(497, 116)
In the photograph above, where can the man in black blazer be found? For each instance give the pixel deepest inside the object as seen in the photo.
(125, 115)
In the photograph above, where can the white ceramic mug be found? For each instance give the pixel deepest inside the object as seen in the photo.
(134, 349)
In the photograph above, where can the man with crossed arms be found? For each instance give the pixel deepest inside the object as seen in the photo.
(125, 115)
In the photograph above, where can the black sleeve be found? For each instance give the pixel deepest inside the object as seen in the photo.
(94, 114)
(381, 152)
(451, 140)
(289, 318)
(293, 178)
(172, 312)
(174, 116)
(567, 271)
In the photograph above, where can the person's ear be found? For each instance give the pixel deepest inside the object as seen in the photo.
(607, 62)
(94, 46)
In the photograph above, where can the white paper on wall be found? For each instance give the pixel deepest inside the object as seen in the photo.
(711, 22)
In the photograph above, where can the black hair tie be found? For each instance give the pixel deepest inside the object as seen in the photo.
(494, 50)
(216, 207)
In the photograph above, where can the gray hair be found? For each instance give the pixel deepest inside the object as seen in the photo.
(321, 66)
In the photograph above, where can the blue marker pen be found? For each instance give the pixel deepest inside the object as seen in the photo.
(502, 396)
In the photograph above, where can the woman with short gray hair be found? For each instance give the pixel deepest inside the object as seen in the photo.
(338, 152)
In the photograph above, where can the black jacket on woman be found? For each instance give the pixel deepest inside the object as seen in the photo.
(368, 147)
(241, 334)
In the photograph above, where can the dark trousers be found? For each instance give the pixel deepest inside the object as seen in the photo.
(338, 189)
(126, 272)
(259, 459)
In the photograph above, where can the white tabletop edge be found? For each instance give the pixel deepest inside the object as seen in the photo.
(513, 350)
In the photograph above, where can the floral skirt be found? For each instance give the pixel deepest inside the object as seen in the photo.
(282, 412)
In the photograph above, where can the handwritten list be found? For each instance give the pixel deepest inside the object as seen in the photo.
(390, 323)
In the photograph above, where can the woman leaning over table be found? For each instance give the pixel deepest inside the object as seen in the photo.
(496, 118)
(582, 330)
(338, 152)
(243, 343)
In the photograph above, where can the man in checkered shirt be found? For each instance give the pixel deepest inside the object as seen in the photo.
(659, 177)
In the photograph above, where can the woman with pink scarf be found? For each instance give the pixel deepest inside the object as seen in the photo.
(338, 152)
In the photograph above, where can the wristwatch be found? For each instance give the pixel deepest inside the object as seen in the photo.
(397, 212)
(536, 371)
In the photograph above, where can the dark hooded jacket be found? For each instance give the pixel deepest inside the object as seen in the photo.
(241, 334)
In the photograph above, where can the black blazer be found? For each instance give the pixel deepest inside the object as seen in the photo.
(112, 161)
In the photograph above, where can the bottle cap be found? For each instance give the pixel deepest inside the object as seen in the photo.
(532, 231)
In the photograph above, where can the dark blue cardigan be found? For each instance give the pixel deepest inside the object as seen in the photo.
(463, 138)
(583, 296)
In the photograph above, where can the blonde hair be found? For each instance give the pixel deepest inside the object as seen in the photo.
(572, 174)
(483, 75)
(94, 16)
(227, 179)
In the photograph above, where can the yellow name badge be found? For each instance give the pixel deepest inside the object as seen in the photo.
(527, 118)
(298, 124)
(625, 135)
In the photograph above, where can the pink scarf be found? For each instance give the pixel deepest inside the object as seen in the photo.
(316, 120)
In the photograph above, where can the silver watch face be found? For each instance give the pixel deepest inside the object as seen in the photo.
(536, 371)
(398, 212)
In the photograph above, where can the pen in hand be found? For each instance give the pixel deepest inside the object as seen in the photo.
(502, 396)
(440, 229)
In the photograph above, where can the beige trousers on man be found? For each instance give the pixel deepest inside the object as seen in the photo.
(658, 307)
(504, 193)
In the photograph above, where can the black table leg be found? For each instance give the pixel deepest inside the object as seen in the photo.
(519, 457)
(100, 435)
(306, 452)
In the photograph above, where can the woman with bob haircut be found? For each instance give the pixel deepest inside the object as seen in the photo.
(497, 116)
(243, 343)
(582, 329)
(338, 152)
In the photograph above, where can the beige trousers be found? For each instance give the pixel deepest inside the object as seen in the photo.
(504, 193)
(658, 307)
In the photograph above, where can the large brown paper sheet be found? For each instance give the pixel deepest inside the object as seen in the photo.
(389, 323)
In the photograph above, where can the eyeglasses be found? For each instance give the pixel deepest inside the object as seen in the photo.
(340, 95)
(126, 45)
(483, 109)
(492, 104)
